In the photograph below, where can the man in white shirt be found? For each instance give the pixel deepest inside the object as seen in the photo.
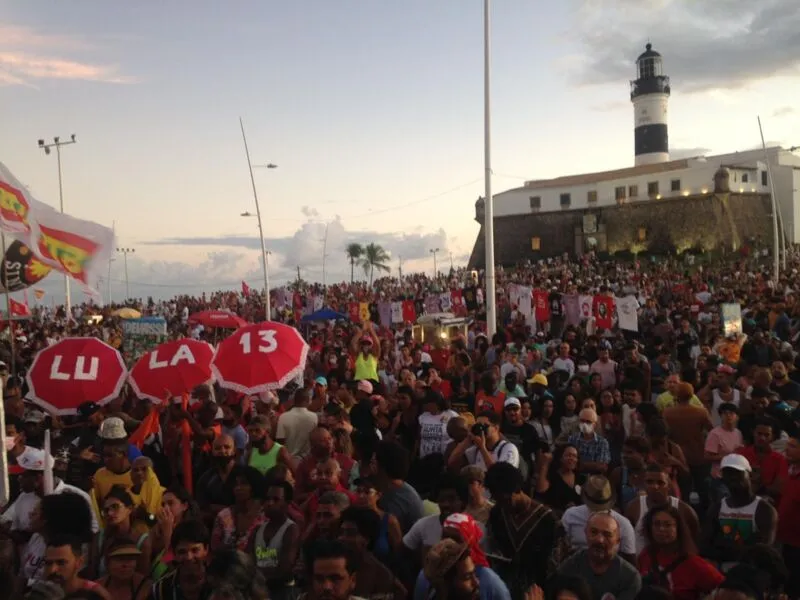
(295, 425)
(485, 445)
(597, 497)
(32, 485)
(563, 362)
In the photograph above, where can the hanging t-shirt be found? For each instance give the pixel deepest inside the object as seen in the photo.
(363, 311)
(409, 311)
(556, 308)
(572, 309)
(586, 303)
(627, 308)
(541, 306)
(604, 311)
(385, 313)
(470, 298)
(397, 312)
(352, 311)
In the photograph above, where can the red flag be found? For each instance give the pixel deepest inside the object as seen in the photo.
(603, 311)
(245, 290)
(186, 449)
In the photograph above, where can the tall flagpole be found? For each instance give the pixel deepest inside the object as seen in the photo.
(8, 307)
(491, 312)
(776, 239)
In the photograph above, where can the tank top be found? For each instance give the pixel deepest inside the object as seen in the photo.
(716, 401)
(366, 367)
(267, 553)
(264, 462)
(641, 538)
(738, 525)
(381, 549)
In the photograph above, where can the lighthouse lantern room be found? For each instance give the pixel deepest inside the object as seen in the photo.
(650, 96)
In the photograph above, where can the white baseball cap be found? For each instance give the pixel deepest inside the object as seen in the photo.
(32, 459)
(735, 461)
(512, 402)
(113, 428)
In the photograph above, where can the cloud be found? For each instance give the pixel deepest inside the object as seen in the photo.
(706, 45)
(305, 248)
(783, 111)
(27, 55)
(679, 153)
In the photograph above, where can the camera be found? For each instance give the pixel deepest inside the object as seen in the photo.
(479, 429)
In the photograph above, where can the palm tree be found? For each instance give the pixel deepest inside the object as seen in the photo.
(375, 257)
(354, 253)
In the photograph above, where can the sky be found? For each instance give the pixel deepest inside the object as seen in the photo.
(372, 110)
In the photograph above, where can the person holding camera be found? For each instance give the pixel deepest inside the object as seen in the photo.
(485, 445)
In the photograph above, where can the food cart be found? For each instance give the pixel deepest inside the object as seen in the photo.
(436, 331)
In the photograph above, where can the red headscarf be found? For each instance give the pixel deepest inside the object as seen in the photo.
(472, 534)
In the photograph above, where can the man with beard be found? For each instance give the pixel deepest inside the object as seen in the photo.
(600, 566)
(211, 490)
(332, 572)
(451, 572)
(63, 560)
(189, 544)
(739, 521)
(264, 452)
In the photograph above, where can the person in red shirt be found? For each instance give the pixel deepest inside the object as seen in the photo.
(770, 468)
(487, 397)
(322, 447)
(789, 517)
(670, 559)
(326, 478)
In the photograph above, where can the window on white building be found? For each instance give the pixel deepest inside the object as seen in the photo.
(619, 194)
(591, 197)
(652, 189)
(566, 200)
(536, 203)
(675, 185)
(745, 177)
(763, 178)
(633, 191)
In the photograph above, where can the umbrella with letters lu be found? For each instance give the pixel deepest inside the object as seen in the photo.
(175, 367)
(260, 357)
(73, 371)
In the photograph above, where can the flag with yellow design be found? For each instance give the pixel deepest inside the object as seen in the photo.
(57, 241)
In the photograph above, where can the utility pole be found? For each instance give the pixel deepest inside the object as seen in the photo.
(435, 269)
(57, 143)
(125, 252)
(298, 276)
(400, 267)
(324, 254)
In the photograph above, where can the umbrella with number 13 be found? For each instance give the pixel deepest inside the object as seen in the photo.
(260, 357)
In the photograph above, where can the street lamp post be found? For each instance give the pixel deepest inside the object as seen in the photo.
(488, 219)
(125, 252)
(258, 216)
(435, 270)
(57, 143)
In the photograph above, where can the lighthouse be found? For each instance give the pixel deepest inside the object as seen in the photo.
(650, 96)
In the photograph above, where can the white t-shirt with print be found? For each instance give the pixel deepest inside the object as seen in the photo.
(433, 436)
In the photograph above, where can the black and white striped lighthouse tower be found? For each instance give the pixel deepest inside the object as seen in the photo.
(650, 97)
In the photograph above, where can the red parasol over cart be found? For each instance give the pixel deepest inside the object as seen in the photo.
(260, 357)
(177, 367)
(218, 318)
(74, 371)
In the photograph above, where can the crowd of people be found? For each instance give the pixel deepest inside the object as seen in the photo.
(552, 460)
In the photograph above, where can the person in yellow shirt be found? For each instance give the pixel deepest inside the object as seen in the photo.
(667, 399)
(367, 347)
(146, 490)
(117, 469)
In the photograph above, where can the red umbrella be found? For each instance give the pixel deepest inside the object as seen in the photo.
(178, 366)
(260, 357)
(74, 371)
(218, 318)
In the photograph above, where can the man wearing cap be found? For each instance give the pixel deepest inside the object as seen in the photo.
(112, 430)
(520, 433)
(449, 569)
(32, 463)
(538, 388)
(319, 396)
(598, 496)
(739, 521)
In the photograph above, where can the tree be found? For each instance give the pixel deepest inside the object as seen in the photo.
(354, 253)
(375, 257)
